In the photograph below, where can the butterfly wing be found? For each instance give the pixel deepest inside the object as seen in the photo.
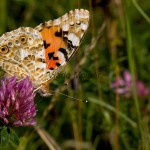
(62, 37)
(22, 54)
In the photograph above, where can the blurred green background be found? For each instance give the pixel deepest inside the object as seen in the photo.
(118, 39)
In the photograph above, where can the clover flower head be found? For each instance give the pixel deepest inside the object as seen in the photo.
(17, 107)
(123, 85)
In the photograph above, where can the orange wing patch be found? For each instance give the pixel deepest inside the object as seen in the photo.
(53, 44)
(61, 38)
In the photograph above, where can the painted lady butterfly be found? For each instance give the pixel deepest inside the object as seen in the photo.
(41, 53)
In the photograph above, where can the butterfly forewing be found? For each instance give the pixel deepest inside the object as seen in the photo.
(62, 37)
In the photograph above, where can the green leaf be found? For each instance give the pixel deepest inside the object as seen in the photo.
(13, 138)
(22, 143)
(4, 137)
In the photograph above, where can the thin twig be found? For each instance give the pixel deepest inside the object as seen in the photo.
(50, 142)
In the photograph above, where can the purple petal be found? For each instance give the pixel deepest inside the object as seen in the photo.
(17, 105)
(127, 76)
(142, 90)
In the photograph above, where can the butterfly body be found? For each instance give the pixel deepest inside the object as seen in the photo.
(41, 53)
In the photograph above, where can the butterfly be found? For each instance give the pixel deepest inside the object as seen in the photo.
(42, 52)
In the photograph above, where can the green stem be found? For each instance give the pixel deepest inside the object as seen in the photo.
(113, 109)
(131, 66)
(145, 16)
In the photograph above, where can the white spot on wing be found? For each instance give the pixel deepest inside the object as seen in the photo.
(65, 27)
(23, 54)
(30, 40)
(40, 54)
(74, 39)
(71, 23)
(40, 65)
(84, 26)
(61, 56)
(65, 17)
(56, 22)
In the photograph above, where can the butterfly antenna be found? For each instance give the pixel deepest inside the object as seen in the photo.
(70, 97)
(53, 92)
(65, 84)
